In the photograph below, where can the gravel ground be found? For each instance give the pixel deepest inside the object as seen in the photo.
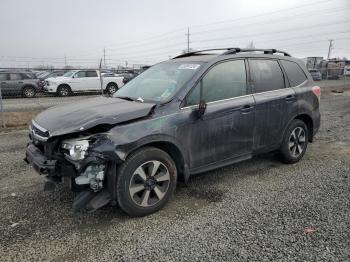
(257, 210)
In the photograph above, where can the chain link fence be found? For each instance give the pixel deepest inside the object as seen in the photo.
(26, 92)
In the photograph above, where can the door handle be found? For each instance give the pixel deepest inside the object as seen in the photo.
(20, 82)
(246, 109)
(290, 98)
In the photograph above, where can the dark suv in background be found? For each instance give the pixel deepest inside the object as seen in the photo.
(19, 83)
(194, 113)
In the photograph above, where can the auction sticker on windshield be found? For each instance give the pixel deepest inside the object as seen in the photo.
(189, 66)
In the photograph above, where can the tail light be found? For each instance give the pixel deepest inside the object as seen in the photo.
(317, 91)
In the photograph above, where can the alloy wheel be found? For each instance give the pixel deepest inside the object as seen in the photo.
(112, 89)
(29, 92)
(64, 91)
(149, 183)
(297, 142)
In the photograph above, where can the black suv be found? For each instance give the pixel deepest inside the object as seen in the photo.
(196, 112)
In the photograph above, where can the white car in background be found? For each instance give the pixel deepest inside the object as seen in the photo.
(77, 81)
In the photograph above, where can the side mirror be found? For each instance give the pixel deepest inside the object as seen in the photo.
(201, 108)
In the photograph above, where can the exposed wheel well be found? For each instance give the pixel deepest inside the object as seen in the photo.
(174, 153)
(309, 123)
(112, 83)
(61, 85)
(26, 86)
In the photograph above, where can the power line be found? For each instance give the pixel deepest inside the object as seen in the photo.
(283, 19)
(263, 14)
(287, 30)
(128, 43)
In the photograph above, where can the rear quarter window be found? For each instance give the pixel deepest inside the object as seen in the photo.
(295, 74)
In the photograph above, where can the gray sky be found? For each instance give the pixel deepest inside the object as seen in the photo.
(37, 32)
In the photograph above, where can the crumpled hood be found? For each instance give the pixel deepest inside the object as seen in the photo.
(85, 114)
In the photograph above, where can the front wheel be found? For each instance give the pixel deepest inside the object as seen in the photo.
(146, 181)
(63, 90)
(294, 142)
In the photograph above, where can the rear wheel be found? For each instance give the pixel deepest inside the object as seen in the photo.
(29, 91)
(63, 90)
(111, 88)
(146, 182)
(294, 142)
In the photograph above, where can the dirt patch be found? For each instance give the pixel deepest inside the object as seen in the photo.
(18, 119)
(331, 90)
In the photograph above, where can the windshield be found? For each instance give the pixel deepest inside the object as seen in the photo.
(45, 74)
(69, 73)
(160, 82)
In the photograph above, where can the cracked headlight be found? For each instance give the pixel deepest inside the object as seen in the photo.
(75, 148)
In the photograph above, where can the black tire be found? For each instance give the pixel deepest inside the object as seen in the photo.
(129, 178)
(63, 90)
(111, 88)
(295, 142)
(29, 91)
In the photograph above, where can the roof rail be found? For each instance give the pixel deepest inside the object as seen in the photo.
(200, 51)
(234, 50)
(266, 51)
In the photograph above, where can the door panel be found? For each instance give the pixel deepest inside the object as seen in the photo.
(225, 130)
(77, 83)
(273, 102)
(4, 84)
(92, 80)
(14, 83)
(271, 114)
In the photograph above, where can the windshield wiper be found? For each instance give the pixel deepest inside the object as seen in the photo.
(139, 99)
(126, 98)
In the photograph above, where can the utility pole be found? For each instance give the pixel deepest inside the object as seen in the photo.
(188, 39)
(104, 56)
(65, 60)
(330, 48)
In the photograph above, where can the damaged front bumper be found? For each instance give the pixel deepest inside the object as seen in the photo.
(94, 177)
(45, 166)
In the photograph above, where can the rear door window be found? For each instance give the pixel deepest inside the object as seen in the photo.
(295, 74)
(15, 77)
(223, 81)
(91, 74)
(266, 75)
(3, 76)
